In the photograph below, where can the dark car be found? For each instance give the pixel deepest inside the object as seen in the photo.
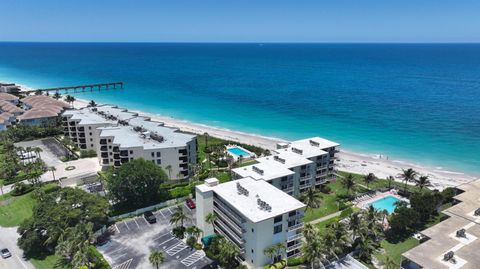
(149, 217)
(5, 253)
(190, 203)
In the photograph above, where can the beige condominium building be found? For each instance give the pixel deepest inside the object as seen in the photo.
(455, 242)
(253, 215)
(119, 136)
(294, 167)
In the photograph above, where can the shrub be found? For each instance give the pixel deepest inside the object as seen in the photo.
(178, 192)
(198, 246)
(97, 259)
(347, 212)
(21, 188)
(325, 189)
(191, 241)
(88, 153)
(296, 261)
(179, 232)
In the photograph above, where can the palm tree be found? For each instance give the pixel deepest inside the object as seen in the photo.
(70, 99)
(228, 252)
(408, 175)
(369, 178)
(312, 198)
(423, 182)
(313, 251)
(194, 232)
(156, 258)
(365, 249)
(169, 169)
(57, 95)
(340, 232)
(37, 151)
(355, 224)
(309, 231)
(270, 253)
(390, 180)
(178, 216)
(52, 169)
(390, 263)
(348, 182)
(92, 104)
(210, 218)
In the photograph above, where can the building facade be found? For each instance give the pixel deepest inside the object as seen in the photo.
(252, 214)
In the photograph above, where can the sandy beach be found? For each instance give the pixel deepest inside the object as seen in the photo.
(348, 161)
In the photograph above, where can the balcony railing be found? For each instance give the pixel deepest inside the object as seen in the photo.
(294, 247)
(289, 189)
(232, 214)
(294, 237)
(103, 148)
(224, 230)
(296, 216)
(295, 227)
(305, 186)
(226, 219)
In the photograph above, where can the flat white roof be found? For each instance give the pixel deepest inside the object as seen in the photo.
(85, 116)
(271, 170)
(291, 158)
(322, 143)
(119, 113)
(247, 205)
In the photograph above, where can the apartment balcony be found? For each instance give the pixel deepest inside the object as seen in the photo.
(105, 161)
(64, 119)
(183, 166)
(226, 219)
(104, 155)
(81, 134)
(82, 140)
(116, 156)
(73, 134)
(183, 159)
(75, 139)
(103, 148)
(320, 181)
(124, 160)
(288, 189)
(117, 163)
(81, 129)
(295, 227)
(103, 141)
(116, 149)
(83, 146)
(305, 186)
(298, 245)
(298, 254)
(299, 215)
(182, 152)
(65, 129)
(72, 123)
(224, 230)
(295, 237)
(219, 204)
(124, 153)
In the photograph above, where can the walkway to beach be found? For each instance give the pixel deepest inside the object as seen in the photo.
(327, 217)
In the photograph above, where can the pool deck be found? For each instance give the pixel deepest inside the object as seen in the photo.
(251, 155)
(364, 203)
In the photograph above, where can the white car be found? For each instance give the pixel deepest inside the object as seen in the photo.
(5, 253)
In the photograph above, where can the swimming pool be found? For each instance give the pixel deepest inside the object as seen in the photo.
(386, 203)
(238, 152)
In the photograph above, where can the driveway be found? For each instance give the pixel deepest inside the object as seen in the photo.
(134, 239)
(8, 239)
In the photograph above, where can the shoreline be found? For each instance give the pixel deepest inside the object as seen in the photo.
(348, 161)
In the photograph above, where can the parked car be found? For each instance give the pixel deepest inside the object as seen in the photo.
(148, 215)
(190, 203)
(5, 253)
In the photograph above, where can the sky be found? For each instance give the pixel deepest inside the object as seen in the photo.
(240, 21)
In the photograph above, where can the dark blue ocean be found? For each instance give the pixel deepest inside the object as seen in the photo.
(417, 102)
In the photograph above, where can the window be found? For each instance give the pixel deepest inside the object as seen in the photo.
(159, 161)
(252, 250)
(91, 145)
(91, 139)
(109, 140)
(277, 219)
(131, 151)
(253, 230)
(158, 154)
(153, 154)
(293, 213)
(89, 127)
(277, 229)
(90, 133)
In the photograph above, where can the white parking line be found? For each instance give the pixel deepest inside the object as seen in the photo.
(166, 241)
(162, 214)
(135, 219)
(119, 249)
(195, 257)
(170, 210)
(146, 221)
(20, 260)
(116, 227)
(126, 225)
(176, 249)
(124, 265)
(162, 235)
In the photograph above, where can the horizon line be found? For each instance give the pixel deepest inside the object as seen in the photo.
(252, 42)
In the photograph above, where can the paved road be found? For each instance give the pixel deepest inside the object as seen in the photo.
(8, 239)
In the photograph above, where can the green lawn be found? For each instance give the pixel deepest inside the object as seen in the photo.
(395, 251)
(48, 263)
(15, 209)
(329, 205)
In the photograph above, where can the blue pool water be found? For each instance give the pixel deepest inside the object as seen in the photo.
(238, 152)
(386, 203)
(413, 102)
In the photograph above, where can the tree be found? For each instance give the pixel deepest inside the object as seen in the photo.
(37, 151)
(403, 221)
(70, 99)
(92, 104)
(179, 216)
(156, 258)
(312, 198)
(355, 224)
(274, 251)
(390, 180)
(369, 178)
(228, 253)
(426, 204)
(348, 182)
(194, 232)
(52, 169)
(313, 252)
(73, 244)
(408, 175)
(135, 184)
(365, 250)
(210, 218)
(57, 95)
(390, 263)
(423, 182)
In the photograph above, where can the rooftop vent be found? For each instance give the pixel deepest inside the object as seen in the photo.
(241, 190)
(477, 212)
(139, 129)
(263, 205)
(448, 256)
(258, 170)
(282, 145)
(157, 137)
(315, 144)
(145, 134)
(278, 159)
(123, 122)
(461, 233)
(94, 109)
(298, 151)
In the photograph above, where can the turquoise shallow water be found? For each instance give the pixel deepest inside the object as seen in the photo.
(410, 102)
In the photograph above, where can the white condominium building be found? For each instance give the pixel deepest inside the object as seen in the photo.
(119, 136)
(252, 214)
(294, 167)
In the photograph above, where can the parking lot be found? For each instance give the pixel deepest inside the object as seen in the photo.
(134, 239)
